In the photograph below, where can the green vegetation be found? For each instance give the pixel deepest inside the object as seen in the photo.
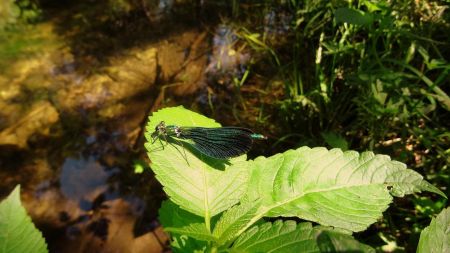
(18, 37)
(13, 12)
(371, 66)
(221, 206)
(363, 75)
(9, 13)
(436, 237)
(18, 233)
(350, 79)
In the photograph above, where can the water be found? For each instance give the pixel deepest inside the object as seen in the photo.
(75, 93)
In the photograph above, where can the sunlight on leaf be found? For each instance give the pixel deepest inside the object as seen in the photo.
(178, 221)
(277, 237)
(235, 221)
(17, 231)
(331, 187)
(199, 184)
(436, 237)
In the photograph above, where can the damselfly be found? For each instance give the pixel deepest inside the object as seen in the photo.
(219, 142)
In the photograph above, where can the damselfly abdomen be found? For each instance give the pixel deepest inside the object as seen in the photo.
(219, 142)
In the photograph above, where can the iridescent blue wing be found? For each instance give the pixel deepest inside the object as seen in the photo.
(221, 143)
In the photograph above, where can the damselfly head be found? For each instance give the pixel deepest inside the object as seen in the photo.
(160, 129)
(161, 126)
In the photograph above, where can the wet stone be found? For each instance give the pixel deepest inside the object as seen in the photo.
(129, 75)
(39, 119)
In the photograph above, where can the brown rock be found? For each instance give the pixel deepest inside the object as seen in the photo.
(38, 120)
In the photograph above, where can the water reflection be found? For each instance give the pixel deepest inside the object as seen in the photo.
(82, 180)
(277, 23)
(85, 209)
(73, 108)
(228, 61)
(156, 10)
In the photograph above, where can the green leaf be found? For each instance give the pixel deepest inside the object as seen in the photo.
(331, 240)
(178, 221)
(373, 6)
(139, 166)
(199, 184)
(436, 237)
(331, 187)
(278, 237)
(335, 140)
(17, 231)
(289, 236)
(352, 16)
(183, 243)
(235, 221)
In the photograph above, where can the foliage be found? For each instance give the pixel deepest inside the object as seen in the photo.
(29, 11)
(219, 206)
(17, 232)
(436, 237)
(12, 12)
(9, 12)
(374, 73)
(374, 69)
(18, 40)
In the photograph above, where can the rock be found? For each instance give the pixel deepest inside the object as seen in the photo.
(38, 120)
(127, 76)
(183, 62)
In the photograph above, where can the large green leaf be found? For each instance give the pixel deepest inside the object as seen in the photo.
(199, 184)
(330, 240)
(17, 231)
(230, 225)
(278, 237)
(235, 221)
(436, 237)
(188, 231)
(183, 244)
(331, 187)
(288, 236)
(178, 221)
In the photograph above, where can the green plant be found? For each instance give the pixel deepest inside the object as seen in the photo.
(9, 13)
(346, 66)
(17, 231)
(236, 205)
(29, 11)
(436, 237)
(12, 11)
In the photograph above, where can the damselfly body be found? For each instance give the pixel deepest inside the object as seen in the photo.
(219, 142)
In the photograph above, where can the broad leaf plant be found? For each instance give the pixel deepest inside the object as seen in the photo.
(225, 205)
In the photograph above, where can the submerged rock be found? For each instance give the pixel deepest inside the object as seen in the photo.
(39, 120)
(127, 76)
